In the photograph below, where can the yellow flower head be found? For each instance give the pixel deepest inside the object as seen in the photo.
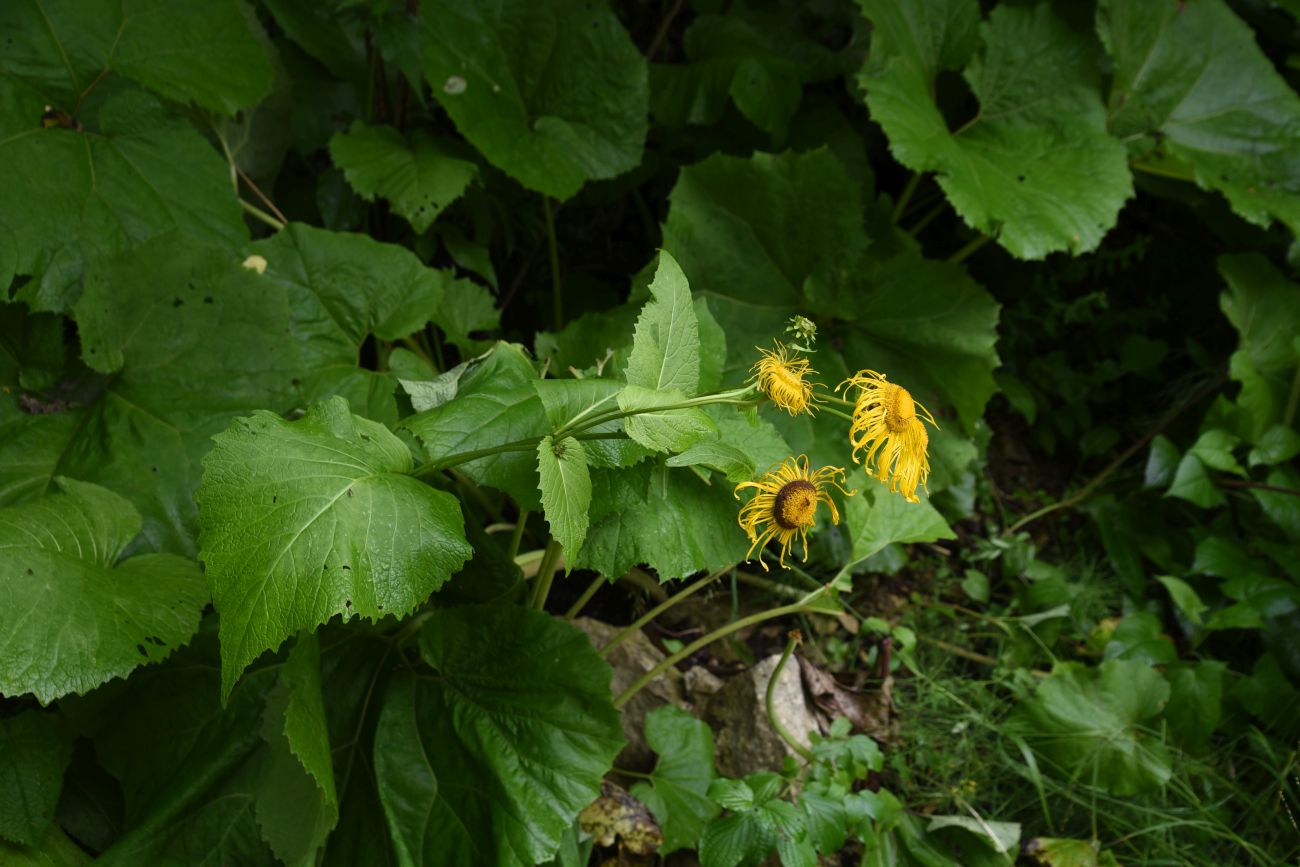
(786, 505)
(887, 423)
(781, 375)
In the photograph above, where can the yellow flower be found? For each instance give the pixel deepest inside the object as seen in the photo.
(786, 505)
(887, 423)
(780, 375)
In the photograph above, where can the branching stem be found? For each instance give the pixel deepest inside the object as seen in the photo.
(661, 608)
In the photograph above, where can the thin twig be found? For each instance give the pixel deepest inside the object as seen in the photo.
(641, 621)
(1256, 486)
(261, 195)
(662, 33)
(261, 215)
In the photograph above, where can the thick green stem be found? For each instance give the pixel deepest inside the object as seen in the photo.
(804, 752)
(661, 608)
(557, 294)
(517, 536)
(735, 397)
(592, 588)
(713, 636)
(545, 574)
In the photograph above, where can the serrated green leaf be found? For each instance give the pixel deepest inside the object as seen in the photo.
(207, 52)
(55, 849)
(875, 518)
(76, 617)
(739, 840)
(34, 751)
(341, 529)
(566, 491)
(826, 820)
(666, 345)
(553, 94)
(1035, 168)
(667, 430)
(495, 403)
(1191, 83)
(678, 789)
(668, 519)
(467, 308)
(136, 173)
(532, 687)
(567, 400)
(419, 178)
(1088, 724)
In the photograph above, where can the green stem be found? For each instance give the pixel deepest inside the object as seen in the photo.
(557, 296)
(804, 752)
(906, 196)
(735, 397)
(517, 536)
(660, 609)
(545, 574)
(713, 636)
(257, 212)
(967, 251)
(526, 445)
(927, 219)
(837, 413)
(592, 588)
(1292, 402)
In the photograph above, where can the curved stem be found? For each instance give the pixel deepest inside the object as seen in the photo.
(517, 536)
(592, 589)
(906, 196)
(661, 608)
(705, 641)
(804, 752)
(545, 575)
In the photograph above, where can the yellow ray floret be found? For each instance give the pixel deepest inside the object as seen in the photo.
(782, 374)
(887, 424)
(786, 505)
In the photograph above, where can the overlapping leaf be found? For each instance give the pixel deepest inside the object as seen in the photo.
(678, 789)
(340, 529)
(34, 751)
(1035, 167)
(75, 617)
(553, 94)
(489, 762)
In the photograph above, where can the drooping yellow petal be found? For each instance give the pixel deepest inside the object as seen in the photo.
(781, 374)
(889, 425)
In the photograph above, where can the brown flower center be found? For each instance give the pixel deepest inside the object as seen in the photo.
(900, 411)
(796, 505)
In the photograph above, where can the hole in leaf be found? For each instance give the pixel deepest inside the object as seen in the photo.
(143, 652)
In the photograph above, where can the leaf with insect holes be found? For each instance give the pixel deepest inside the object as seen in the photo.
(341, 528)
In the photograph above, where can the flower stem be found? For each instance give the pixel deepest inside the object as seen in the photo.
(592, 588)
(736, 397)
(517, 536)
(705, 641)
(545, 575)
(661, 608)
(804, 752)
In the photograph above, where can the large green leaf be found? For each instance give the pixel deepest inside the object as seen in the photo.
(339, 528)
(566, 490)
(496, 403)
(1035, 167)
(678, 789)
(554, 94)
(669, 519)
(567, 400)
(663, 430)
(1192, 88)
(206, 52)
(770, 237)
(74, 616)
(876, 518)
(419, 178)
(666, 343)
(1091, 725)
(135, 173)
(34, 751)
(490, 762)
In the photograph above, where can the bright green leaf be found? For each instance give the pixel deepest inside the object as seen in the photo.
(724, 457)
(467, 308)
(532, 688)
(876, 518)
(553, 94)
(75, 617)
(1035, 168)
(1184, 597)
(740, 840)
(666, 346)
(668, 430)
(1003, 837)
(566, 491)
(678, 790)
(340, 528)
(419, 178)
